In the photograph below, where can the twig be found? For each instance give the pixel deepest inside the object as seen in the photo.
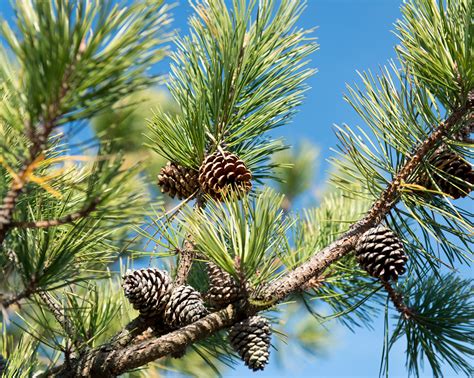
(61, 318)
(397, 300)
(15, 298)
(60, 221)
(29, 290)
(187, 255)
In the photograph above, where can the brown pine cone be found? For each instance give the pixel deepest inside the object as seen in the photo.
(222, 172)
(452, 174)
(179, 181)
(380, 252)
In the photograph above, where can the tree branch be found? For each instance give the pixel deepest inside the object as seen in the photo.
(107, 362)
(186, 257)
(104, 362)
(284, 286)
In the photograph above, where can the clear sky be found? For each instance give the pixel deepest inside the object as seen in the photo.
(353, 35)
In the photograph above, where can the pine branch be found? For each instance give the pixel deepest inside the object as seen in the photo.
(38, 137)
(284, 286)
(106, 361)
(84, 212)
(186, 257)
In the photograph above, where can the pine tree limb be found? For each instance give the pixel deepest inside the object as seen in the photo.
(110, 361)
(107, 362)
(289, 283)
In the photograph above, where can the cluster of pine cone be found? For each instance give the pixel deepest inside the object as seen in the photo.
(220, 173)
(152, 293)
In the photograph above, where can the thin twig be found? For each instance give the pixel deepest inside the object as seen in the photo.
(397, 300)
(187, 254)
(60, 317)
(59, 221)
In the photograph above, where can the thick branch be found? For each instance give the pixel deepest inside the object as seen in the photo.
(281, 288)
(85, 211)
(103, 362)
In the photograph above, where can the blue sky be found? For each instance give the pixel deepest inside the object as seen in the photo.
(353, 35)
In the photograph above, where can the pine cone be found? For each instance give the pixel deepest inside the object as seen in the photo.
(222, 172)
(222, 287)
(380, 252)
(452, 174)
(148, 290)
(177, 180)
(185, 306)
(251, 340)
(3, 365)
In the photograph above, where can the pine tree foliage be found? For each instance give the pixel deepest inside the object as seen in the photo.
(441, 325)
(244, 237)
(67, 211)
(238, 74)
